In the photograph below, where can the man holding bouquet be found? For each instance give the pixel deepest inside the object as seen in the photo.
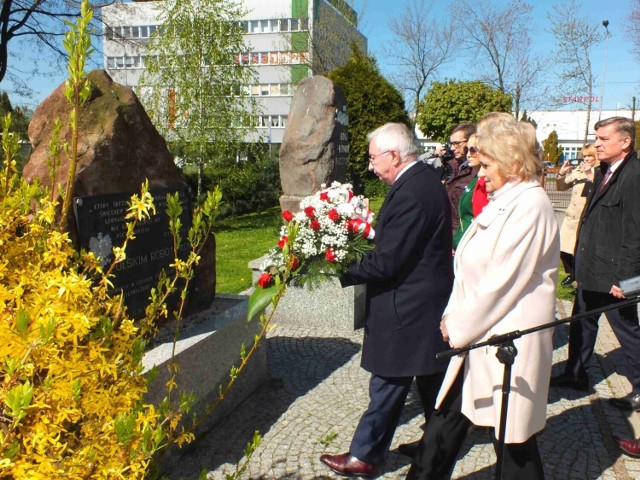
(409, 277)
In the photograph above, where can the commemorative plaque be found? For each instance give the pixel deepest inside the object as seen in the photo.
(102, 226)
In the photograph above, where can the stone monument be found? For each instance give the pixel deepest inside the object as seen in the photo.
(315, 147)
(315, 150)
(119, 148)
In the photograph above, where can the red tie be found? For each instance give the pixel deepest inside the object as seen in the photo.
(604, 180)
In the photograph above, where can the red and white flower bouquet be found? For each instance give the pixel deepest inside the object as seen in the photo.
(332, 229)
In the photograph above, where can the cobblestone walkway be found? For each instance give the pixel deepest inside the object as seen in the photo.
(317, 392)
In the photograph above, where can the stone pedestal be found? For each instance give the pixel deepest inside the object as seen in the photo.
(207, 347)
(328, 304)
(290, 202)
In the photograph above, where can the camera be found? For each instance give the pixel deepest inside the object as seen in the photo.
(447, 153)
(575, 162)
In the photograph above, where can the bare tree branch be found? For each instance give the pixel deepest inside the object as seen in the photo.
(422, 44)
(40, 22)
(576, 35)
(500, 37)
(633, 26)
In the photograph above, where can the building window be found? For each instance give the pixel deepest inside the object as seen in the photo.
(273, 121)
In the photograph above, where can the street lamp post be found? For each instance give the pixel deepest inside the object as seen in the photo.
(605, 24)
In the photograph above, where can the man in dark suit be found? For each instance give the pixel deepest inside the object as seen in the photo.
(607, 251)
(409, 278)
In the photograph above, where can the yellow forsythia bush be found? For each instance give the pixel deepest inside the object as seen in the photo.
(71, 384)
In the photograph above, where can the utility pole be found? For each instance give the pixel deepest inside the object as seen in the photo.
(605, 24)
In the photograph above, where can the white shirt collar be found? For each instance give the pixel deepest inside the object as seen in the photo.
(409, 165)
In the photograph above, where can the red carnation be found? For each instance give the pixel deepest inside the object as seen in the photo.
(350, 194)
(315, 225)
(352, 225)
(310, 212)
(283, 241)
(324, 196)
(287, 215)
(295, 263)
(330, 256)
(333, 214)
(265, 280)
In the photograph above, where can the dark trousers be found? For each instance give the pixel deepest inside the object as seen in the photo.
(568, 262)
(377, 425)
(445, 433)
(583, 333)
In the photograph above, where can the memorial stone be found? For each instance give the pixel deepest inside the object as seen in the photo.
(119, 148)
(315, 146)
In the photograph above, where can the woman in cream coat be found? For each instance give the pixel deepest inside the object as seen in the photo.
(580, 181)
(505, 278)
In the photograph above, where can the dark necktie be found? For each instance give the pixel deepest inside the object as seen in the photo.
(605, 179)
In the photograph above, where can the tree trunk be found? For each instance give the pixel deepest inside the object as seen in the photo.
(200, 174)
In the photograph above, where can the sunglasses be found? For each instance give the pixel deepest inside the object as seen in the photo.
(473, 150)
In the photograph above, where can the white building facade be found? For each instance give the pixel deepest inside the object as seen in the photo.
(570, 127)
(287, 40)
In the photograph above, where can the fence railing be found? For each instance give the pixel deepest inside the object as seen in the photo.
(560, 200)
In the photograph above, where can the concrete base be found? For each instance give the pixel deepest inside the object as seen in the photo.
(327, 305)
(207, 347)
(290, 202)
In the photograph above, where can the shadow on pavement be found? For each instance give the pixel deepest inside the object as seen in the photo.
(296, 365)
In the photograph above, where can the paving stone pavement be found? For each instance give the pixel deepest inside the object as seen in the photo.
(317, 392)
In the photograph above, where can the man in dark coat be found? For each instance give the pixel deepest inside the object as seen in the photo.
(409, 278)
(608, 251)
(461, 174)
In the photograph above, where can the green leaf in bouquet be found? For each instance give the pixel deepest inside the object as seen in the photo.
(260, 299)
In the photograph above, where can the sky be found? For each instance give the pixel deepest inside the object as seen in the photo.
(622, 68)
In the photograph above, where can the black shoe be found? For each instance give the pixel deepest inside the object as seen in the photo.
(566, 380)
(409, 449)
(568, 280)
(632, 402)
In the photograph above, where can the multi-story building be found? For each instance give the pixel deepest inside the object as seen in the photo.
(287, 40)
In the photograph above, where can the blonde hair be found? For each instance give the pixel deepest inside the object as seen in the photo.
(589, 149)
(512, 144)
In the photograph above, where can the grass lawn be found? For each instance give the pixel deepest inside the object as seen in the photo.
(246, 237)
(238, 241)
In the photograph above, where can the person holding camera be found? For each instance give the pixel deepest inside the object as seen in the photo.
(578, 176)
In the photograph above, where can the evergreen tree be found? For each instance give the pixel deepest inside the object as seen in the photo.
(372, 101)
(526, 118)
(19, 116)
(551, 150)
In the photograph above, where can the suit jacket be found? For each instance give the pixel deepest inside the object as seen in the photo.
(608, 248)
(506, 270)
(409, 276)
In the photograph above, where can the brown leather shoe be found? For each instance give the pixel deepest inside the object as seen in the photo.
(630, 447)
(348, 465)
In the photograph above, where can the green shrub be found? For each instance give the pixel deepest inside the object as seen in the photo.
(375, 188)
(247, 186)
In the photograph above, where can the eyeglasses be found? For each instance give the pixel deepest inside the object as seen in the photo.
(457, 144)
(473, 150)
(372, 158)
